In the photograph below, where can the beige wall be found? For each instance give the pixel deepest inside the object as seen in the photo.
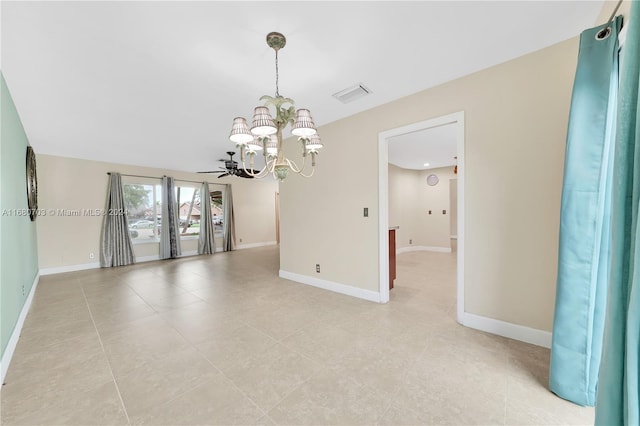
(434, 229)
(410, 199)
(72, 184)
(515, 129)
(403, 184)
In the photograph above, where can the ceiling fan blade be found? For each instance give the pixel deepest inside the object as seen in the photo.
(241, 173)
(214, 171)
(223, 175)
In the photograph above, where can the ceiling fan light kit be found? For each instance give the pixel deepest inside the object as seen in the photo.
(265, 133)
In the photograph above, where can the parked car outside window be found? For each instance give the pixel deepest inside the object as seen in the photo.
(142, 224)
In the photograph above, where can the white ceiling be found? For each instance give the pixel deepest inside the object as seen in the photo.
(158, 83)
(425, 149)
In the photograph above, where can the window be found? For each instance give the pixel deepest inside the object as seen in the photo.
(144, 210)
(190, 207)
(217, 211)
(188, 199)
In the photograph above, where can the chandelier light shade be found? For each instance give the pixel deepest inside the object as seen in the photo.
(263, 124)
(266, 131)
(303, 126)
(313, 143)
(272, 147)
(240, 133)
(255, 144)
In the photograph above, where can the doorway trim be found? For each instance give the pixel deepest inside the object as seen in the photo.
(456, 119)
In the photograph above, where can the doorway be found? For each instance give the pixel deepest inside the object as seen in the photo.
(456, 120)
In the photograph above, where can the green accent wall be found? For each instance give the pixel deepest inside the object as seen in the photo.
(18, 247)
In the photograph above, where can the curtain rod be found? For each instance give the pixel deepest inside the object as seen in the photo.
(181, 180)
(613, 15)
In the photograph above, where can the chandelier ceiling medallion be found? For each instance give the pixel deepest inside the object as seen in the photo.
(265, 133)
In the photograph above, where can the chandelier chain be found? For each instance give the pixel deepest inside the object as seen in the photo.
(277, 76)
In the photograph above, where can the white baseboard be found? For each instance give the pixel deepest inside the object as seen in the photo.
(69, 268)
(139, 259)
(489, 325)
(96, 265)
(254, 245)
(507, 329)
(85, 266)
(15, 335)
(372, 296)
(423, 248)
(142, 259)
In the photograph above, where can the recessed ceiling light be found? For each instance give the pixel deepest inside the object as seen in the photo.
(426, 164)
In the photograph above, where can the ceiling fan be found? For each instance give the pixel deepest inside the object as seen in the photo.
(231, 168)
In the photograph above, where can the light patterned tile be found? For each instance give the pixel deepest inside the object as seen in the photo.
(229, 347)
(271, 375)
(378, 364)
(397, 416)
(451, 387)
(43, 334)
(267, 351)
(40, 381)
(132, 347)
(321, 342)
(98, 406)
(214, 402)
(199, 322)
(530, 403)
(330, 399)
(163, 303)
(159, 381)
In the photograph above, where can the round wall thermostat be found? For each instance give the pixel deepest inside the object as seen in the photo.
(432, 180)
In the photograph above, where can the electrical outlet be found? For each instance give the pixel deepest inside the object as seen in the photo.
(444, 212)
(91, 255)
(23, 289)
(410, 241)
(366, 212)
(317, 267)
(240, 239)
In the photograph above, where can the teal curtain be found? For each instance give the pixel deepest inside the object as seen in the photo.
(583, 258)
(618, 400)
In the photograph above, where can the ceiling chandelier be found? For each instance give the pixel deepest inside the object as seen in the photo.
(265, 133)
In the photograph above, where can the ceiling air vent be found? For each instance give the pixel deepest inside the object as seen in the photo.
(352, 93)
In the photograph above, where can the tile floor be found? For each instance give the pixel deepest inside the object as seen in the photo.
(222, 340)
